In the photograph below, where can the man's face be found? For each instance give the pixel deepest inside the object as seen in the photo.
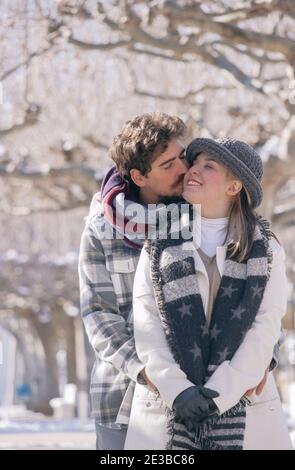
(165, 180)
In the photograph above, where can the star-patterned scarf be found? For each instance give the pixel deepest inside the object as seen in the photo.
(198, 348)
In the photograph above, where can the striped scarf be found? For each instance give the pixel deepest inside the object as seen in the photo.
(197, 347)
(131, 220)
(116, 195)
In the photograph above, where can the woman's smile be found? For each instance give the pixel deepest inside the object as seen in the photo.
(193, 182)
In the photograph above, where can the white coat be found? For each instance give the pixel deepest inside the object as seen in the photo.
(265, 424)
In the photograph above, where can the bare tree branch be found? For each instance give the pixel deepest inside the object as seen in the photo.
(51, 39)
(278, 167)
(182, 47)
(284, 217)
(262, 59)
(30, 118)
(72, 171)
(103, 47)
(254, 9)
(159, 55)
(96, 143)
(193, 15)
(58, 207)
(24, 63)
(185, 97)
(54, 189)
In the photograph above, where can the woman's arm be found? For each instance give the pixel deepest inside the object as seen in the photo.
(151, 344)
(247, 367)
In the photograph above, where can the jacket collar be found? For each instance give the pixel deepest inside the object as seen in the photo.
(220, 257)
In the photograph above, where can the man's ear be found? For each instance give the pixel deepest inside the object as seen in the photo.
(137, 177)
(234, 187)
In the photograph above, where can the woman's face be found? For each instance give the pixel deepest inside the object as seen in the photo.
(210, 184)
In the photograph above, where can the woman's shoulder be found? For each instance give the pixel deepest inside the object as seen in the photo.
(277, 250)
(142, 279)
(144, 258)
(274, 244)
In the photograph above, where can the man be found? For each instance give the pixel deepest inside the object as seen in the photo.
(150, 166)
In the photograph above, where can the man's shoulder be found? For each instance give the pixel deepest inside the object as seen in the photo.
(96, 220)
(95, 213)
(100, 228)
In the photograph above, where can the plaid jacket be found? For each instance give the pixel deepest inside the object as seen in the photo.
(106, 272)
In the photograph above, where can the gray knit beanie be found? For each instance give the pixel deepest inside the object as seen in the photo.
(239, 157)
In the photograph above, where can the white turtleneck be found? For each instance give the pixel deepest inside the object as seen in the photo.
(213, 233)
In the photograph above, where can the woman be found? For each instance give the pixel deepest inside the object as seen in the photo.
(206, 318)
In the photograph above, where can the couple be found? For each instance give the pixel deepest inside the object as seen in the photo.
(178, 365)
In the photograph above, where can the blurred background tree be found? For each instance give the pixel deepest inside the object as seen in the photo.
(71, 73)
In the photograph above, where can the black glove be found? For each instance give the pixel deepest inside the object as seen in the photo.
(194, 404)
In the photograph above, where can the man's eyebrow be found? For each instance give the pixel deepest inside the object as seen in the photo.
(171, 159)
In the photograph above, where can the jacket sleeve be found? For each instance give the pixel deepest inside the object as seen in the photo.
(108, 333)
(151, 344)
(276, 351)
(247, 367)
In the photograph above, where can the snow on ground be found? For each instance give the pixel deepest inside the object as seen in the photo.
(48, 441)
(21, 429)
(34, 431)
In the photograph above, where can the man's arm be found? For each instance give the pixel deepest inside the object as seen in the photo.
(106, 328)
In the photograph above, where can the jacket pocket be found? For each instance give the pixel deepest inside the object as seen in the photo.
(122, 270)
(122, 265)
(269, 393)
(266, 428)
(147, 428)
(143, 393)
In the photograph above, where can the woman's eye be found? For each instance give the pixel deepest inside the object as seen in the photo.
(208, 166)
(167, 167)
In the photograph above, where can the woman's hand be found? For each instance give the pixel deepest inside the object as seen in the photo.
(195, 403)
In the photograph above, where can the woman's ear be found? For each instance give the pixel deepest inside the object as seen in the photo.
(137, 177)
(234, 187)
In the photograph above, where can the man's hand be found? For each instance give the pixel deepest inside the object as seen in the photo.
(259, 387)
(149, 384)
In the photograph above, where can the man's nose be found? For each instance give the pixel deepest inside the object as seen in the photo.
(183, 166)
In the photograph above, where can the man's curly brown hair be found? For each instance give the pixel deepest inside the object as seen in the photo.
(142, 140)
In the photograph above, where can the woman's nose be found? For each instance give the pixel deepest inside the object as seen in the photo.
(195, 170)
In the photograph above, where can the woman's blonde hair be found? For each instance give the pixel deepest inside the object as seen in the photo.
(242, 223)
